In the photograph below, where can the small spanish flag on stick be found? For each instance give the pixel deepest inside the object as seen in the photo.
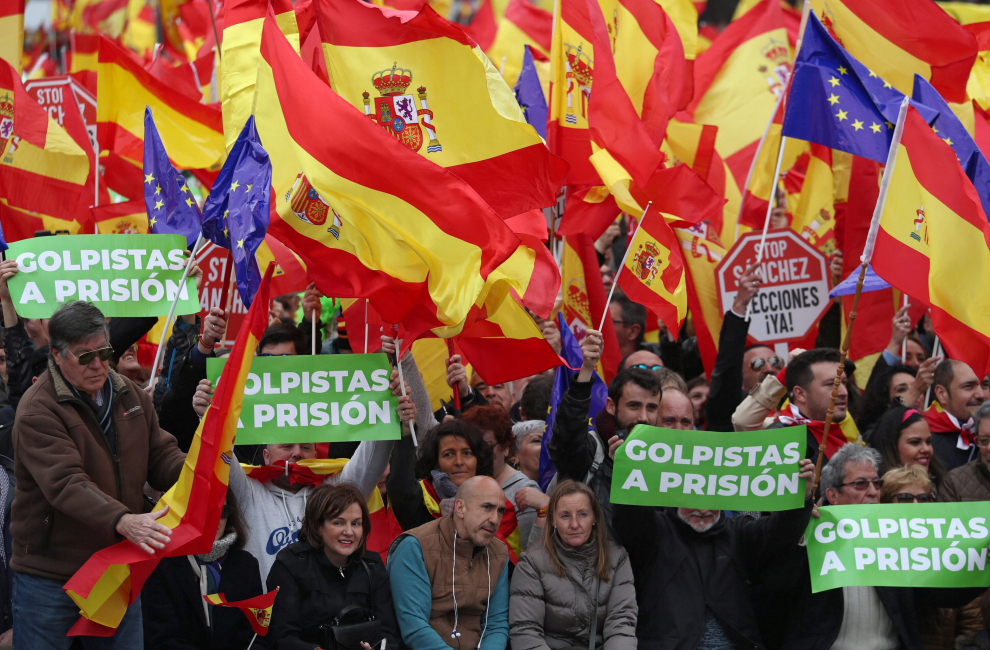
(258, 609)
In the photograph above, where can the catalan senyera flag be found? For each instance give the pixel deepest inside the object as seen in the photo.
(258, 609)
(399, 239)
(42, 169)
(737, 82)
(702, 252)
(897, 39)
(112, 579)
(12, 32)
(416, 76)
(934, 240)
(523, 23)
(653, 274)
(124, 218)
(192, 132)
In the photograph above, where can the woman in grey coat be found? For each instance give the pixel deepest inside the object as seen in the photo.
(558, 581)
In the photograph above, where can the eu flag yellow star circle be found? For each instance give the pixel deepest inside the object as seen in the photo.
(234, 186)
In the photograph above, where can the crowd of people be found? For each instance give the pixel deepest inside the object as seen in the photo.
(467, 548)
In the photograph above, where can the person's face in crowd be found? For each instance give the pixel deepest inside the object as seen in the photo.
(916, 354)
(813, 401)
(911, 493)
(342, 534)
(478, 514)
(290, 453)
(676, 411)
(574, 519)
(983, 441)
(3, 364)
(900, 383)
(90, 377)
(497, 394)
(528, 456)
(699, 398)
(644, 359)
(626, 333)
(700, 520)
(757, 366)
(499, 452)
(128, 365)
(864, 488)
(965, 393)
(381, 482)
(636, 406)
(456, 460)
(914, 447)
(279, 349)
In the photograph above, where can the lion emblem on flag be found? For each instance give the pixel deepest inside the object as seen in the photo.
(6, 119)
(396, 112)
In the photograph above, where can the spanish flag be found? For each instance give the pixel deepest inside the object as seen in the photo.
(897, 39)
(18, 224)
(12, 32)
(141, 32)
(814, 214)
(83, 54)
(934, 242)
(759, 188)
(42, 169)
(523, 23)
(684, 15)
(192, 132)
(112, 579)
(428, 85)
(702, 252)
(653, 270)
(98, 16)
(258, 609)
(508, 529)
(125, 218)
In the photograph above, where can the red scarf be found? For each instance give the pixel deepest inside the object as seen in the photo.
(309, 471)
(940, 421)
(836, 438)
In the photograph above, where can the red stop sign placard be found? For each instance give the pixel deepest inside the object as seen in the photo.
(794, 292)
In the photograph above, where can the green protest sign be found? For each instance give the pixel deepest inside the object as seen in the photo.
(757, 470)
(899, 545)
(322, 398)
(123, 275)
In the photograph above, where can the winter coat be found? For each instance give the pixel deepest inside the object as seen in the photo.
(969, 482)
(172, 606)
(177, 382)
(550, 612)
(726, 391)
(312, 592)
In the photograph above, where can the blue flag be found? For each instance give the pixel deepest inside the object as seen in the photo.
(948, 127)
(235, 215)
(529, 94)
(871, 282)
(570, 351)
(172, 210)
(836, 101)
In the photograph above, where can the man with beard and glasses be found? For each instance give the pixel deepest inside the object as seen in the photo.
(633, 398)
(694, 569)
(959, 394)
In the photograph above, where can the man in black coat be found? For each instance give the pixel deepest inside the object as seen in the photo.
(693, 569)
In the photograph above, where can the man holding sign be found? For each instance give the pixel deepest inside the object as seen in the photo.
(693, 565)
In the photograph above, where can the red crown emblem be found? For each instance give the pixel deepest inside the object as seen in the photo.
(392, 81)
(7, 105)
(776, 52)
(582, 65)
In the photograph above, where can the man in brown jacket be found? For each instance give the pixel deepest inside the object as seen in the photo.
(85, 442)
(971, 482)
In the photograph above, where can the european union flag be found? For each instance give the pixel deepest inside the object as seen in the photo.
(948, 127)
(172, 210)
(836, 101)
(570, 352)
(235, 215)
(529, 94)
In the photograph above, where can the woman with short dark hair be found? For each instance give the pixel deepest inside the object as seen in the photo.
(328, 576)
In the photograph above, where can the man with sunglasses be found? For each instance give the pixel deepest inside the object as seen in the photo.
(86, 440)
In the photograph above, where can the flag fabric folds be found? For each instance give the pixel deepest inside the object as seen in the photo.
(934, 242)
(124, 218)
(170, 205)
(523, 25)
(529, 94)
(653, 273)
(258, 609)
(414, 75)
(702, 251)
(112, 578)
(12, 32)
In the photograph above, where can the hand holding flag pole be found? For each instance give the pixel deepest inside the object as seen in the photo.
(171, 312)
(457, 390)
(615, 280)
(871, 240)
(394, 360)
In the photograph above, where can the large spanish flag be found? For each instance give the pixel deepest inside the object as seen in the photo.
(425, 83)
(12, 32)
(400, 239)
(192, 132)
(523, 23)
(42, 169)
(702, 252)
(897, 39)
(934, 242)
(112, 579)
(814, 214)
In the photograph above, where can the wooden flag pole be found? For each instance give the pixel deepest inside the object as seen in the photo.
(622, 264)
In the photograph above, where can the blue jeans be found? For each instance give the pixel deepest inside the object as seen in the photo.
(43, 614)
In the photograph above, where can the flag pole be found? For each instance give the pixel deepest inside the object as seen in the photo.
(314, 333)
(252, 641)
(457, 392)
(766, 222)
(622, 264)
(366, 325)
(402, 387)
(871, 240)
(171, 311)
(904, 342)
(935, 351)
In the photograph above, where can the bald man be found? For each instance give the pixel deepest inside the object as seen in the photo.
(676, 410)
(450, 581)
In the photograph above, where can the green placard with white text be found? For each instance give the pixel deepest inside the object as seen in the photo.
(899, 545)
(322, 398)
(755, 470)
(123, 275)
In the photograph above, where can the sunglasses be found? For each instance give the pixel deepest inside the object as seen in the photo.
(912, 498)
(86, 358)
(759, 362)
(861, 484)
(646, 367)
(269, 354)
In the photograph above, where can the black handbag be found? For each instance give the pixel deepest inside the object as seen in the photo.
(352, 625)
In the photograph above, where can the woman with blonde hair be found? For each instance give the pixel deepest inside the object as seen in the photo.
(907, 484)
(575, 588)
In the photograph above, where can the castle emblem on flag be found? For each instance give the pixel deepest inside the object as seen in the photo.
(308, 205)
(263, 616)
(6, 119)
(580, 73)
(646, 262)
(396, 112)
(777, 67)
(920, 225)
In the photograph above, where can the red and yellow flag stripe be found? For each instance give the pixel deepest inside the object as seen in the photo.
(12, 32)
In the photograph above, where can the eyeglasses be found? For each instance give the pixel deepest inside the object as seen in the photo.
(862, 484)
(86, 358)
(269, 354)
(620, 322)
(646, 367)
(912, 498)
(982, 442)
(759, 362)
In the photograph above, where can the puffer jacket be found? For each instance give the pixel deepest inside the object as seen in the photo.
(970, 482)
(549, 611)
